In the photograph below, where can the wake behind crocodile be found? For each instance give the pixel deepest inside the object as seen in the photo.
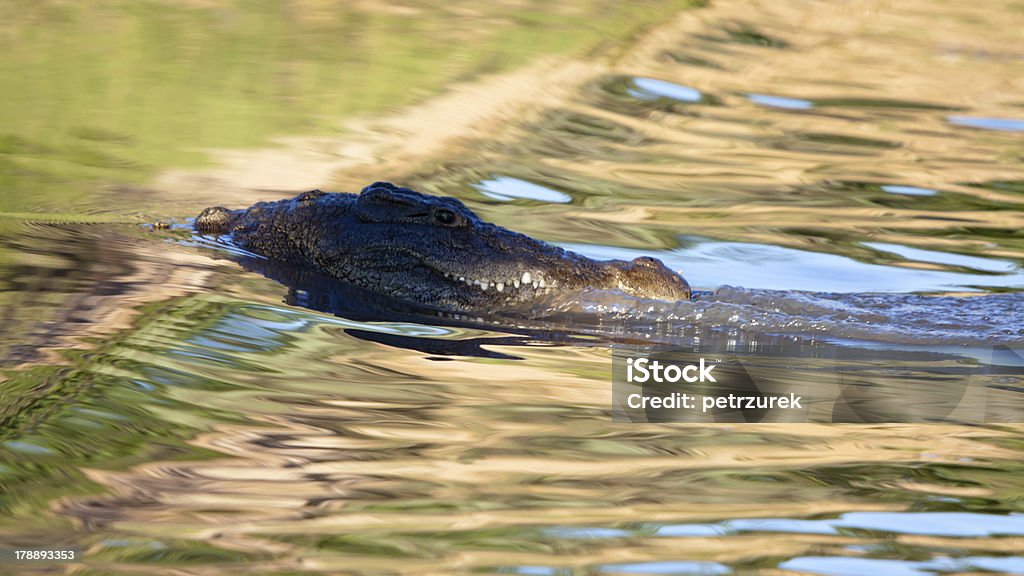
(908, 319)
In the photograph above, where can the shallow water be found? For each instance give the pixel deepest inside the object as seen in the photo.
(839, 182)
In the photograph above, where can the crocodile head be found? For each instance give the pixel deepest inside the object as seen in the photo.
(427, 249)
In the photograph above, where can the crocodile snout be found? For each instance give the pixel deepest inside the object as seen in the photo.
(648, 277)
(214, 220)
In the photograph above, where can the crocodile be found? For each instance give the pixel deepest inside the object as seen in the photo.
(427, 250)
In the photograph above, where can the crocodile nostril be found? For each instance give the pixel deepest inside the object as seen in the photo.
(385, 197)
(309, 196)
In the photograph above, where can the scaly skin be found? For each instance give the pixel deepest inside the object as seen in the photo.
(430, 250)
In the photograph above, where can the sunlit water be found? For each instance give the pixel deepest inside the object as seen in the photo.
(836, 180)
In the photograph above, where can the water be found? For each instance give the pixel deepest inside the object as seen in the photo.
(836, 181)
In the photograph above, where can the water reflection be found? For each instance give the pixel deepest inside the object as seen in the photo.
(1001, 124)
(708, 264)
(838, 566)
(780, 102)
(908, 190)
(504, 188)
(679, 567)
(954, 524)
(652, 89)
(993, 265)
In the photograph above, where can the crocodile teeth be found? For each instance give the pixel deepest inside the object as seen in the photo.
(527, 280)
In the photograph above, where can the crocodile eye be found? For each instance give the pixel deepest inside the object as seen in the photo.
(445, 216)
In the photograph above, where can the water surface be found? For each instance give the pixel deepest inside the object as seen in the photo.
(837, 181)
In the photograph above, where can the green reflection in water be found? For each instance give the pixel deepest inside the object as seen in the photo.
(96, 411)
(111, 92)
